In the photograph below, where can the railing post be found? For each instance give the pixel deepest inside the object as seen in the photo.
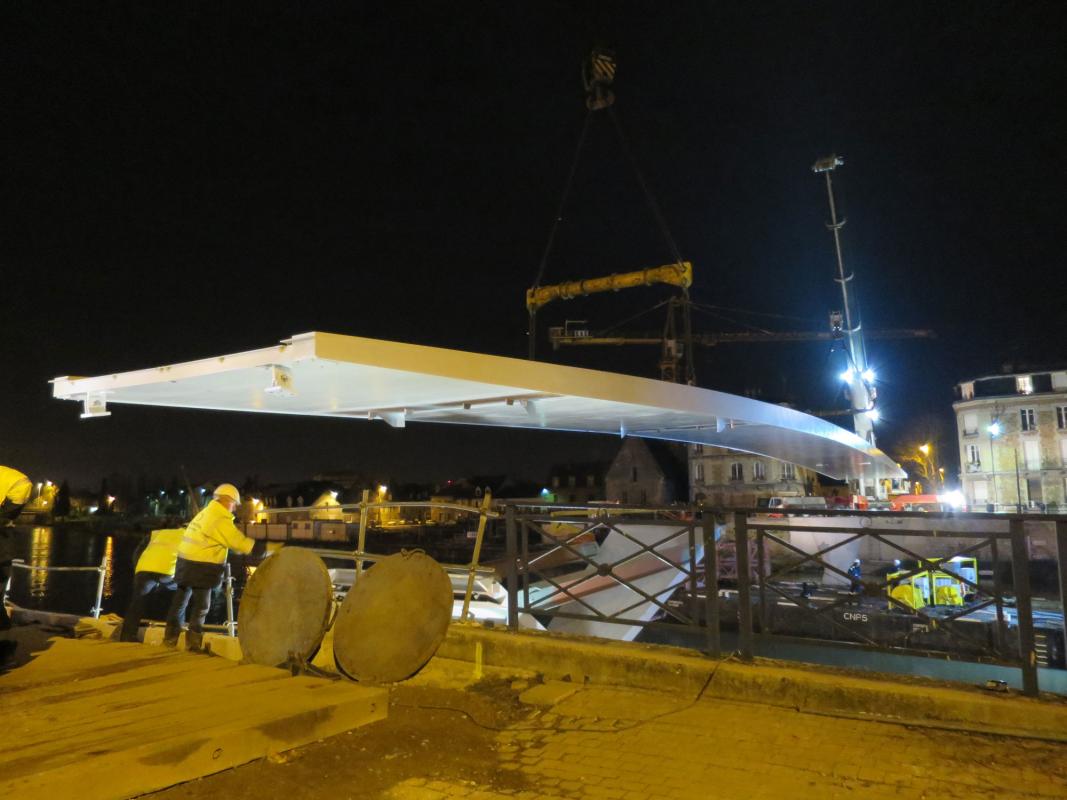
(744, 586)
(1020, 569)
(361, 541)
(1061, 561)
(513, 567)
(760, 559)
(694, 601)
(231, 623)
(101, 572)
(483, 518)
(711, 586)
(998, 596)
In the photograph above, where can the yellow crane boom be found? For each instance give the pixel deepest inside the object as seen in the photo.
(680, 274)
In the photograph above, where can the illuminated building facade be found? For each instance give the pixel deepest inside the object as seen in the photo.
(1012, 431)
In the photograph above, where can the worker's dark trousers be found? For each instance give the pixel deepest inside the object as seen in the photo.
(201, 603)
(144, 583)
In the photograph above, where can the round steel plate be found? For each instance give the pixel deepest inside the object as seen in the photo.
(393, 620)
(285, 608)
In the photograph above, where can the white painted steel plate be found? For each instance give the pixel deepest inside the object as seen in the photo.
(330, 375)
(285, 608)
(394, 619)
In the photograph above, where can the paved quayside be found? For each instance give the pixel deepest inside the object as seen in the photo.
(97, 719)
(466, 728)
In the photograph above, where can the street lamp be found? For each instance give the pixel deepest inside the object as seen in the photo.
(994, 431)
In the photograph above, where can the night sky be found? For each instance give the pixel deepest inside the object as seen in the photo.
(190, 179)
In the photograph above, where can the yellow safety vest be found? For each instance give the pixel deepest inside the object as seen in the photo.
(211, 535)
(14, 486)
(162, 552)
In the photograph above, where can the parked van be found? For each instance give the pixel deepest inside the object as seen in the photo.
(918, 502)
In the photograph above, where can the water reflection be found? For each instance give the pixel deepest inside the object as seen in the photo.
(40, 556)
(109, 564)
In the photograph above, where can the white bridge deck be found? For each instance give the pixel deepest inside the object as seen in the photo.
(330, 375)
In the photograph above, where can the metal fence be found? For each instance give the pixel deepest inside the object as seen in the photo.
(100, 569)
(687, 544)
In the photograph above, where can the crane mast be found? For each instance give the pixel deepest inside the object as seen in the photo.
(858, 376)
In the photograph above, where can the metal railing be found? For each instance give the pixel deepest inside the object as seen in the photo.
(101, 571)
(484, 511)
(688, 549)
(660, 550)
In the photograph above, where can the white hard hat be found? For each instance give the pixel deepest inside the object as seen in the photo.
(227, 490)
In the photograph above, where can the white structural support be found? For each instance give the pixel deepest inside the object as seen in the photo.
(330, 375)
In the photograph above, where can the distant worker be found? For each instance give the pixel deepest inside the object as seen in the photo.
(856, 575)
(15, 491)
(201, 564)
(154, 570)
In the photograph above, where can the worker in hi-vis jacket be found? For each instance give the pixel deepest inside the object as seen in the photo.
(201, 564)
(154, 570)
(15, 491)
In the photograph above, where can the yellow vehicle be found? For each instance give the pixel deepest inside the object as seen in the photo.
(933, 587)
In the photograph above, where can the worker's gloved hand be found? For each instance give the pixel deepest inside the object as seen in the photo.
(259, 551)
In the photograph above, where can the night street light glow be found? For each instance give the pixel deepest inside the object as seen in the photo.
(994, 429)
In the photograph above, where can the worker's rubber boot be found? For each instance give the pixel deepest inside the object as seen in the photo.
(170, 635)
(194, 641)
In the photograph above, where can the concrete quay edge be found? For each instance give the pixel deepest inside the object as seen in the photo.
(810, 689)
(807, 689)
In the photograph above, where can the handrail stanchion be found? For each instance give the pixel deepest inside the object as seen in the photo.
(1020, 568)
(483, 518)
(101, 572)
(7, 583)
(361, 542)
(744, 585)
(231, 623)
(512, 535)
(711, 586)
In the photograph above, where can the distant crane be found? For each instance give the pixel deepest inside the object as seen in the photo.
(681, 275)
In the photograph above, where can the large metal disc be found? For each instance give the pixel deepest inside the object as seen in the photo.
(285, 608)
(394, 619)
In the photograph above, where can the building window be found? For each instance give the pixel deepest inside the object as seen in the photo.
(572, 481)
(970, 424)
(1061, 417)
(789, 471)
(1063, 453)
(759, 472)
(698, 449)
(590, 481)
(633, 474)
(1032, 453)
(555, 481)
(981, 492)
(974, 456)
(737, 471)
(1024, 384)
(698, 470)
(1027, 419)
(967, 390)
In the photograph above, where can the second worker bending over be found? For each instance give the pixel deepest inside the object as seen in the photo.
(202, 564)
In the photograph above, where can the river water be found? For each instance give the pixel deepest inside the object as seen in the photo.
(75, 592)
